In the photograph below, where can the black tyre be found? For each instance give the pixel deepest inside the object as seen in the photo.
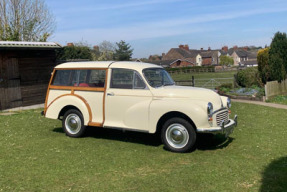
(178, 135)
(73, 123)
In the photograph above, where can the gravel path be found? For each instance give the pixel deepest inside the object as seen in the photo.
(274, 105)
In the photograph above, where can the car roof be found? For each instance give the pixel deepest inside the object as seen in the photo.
(107, 64)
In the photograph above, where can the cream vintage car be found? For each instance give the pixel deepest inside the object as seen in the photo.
(134, 96)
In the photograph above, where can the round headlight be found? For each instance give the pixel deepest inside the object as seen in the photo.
(209, 108)
(228, 102)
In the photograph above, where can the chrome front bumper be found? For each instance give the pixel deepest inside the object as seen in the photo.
(225, 129)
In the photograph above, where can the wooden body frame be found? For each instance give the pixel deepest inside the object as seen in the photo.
(73, 89)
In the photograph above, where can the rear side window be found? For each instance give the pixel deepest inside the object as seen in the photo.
(80, 78)
(63, 78)
(126, 79)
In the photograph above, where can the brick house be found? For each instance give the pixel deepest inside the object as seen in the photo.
(210, 57)
(174, 63)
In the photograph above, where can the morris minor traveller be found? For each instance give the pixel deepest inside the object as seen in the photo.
(134, 96)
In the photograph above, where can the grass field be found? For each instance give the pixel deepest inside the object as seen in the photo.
(35, 155)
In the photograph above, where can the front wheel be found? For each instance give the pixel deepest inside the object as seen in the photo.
(73, 123)
(178, 135)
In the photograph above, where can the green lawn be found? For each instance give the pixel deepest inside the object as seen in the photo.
(35, 155)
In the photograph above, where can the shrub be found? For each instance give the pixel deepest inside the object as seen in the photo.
(226, 87)
(248, 77)
(74, 52)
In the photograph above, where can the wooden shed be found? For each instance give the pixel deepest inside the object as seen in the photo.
(25, 71)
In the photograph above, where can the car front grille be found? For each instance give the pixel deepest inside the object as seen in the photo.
(222, 116)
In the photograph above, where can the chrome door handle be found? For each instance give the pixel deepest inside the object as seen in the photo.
(110, 94)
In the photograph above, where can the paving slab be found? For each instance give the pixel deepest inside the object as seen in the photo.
(25, 108)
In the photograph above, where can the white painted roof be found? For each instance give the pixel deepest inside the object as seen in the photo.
(107, 64)
(26, 44)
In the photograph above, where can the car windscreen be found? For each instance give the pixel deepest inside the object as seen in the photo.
(157, 77)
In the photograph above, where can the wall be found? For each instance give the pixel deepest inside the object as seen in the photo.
(206, 61)
(198, 60)
(273, 88)
(28, 84)
(182, 64)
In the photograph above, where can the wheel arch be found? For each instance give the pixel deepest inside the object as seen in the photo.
(61, 104)
(66, 108)
(172, 114)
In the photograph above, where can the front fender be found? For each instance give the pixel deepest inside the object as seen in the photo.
(54, 109)
(196, 110)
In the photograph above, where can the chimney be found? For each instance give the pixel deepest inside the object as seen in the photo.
(181, 46)
(163, 54)
(245, 48)
(235, 47)
(70, 44)
(201, 49)
(186, 47)
(209, 49)
(224, 48)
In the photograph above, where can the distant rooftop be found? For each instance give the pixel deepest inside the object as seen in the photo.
(24, 44)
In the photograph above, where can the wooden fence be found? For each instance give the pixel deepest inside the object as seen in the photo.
(206, 83)
(273, 88)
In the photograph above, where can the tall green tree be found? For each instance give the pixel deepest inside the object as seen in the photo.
(263, 65)
(278, 57)
(25, 20)
(226, 60)
(123, 51)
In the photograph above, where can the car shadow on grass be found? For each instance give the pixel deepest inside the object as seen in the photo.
(212, 142)
(204, 141)
(274, 176)
(119, 135)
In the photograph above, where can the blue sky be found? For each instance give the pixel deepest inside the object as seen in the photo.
(155, 26)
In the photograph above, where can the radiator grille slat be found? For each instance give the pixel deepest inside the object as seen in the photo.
(222, 116)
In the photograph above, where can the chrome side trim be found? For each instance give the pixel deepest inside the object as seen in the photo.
(126, 129)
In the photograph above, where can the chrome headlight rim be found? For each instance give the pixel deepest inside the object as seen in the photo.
(228, 104)
(209, 108)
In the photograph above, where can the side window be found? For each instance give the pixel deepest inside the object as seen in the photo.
(138, 82)
(97, 78)
(63, 78)
(91, 78)
(80, 78)
(126, 79)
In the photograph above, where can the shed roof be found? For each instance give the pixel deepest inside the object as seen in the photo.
(28, 45)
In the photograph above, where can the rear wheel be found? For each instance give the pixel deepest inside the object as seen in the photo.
(73, 123)
(178, 135)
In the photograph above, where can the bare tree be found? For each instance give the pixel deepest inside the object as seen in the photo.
(25, 20)
(107, 51)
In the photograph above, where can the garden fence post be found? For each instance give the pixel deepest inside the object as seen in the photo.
(192, 81)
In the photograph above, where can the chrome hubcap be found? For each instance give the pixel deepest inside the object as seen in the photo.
(73, 123)
(177, 135)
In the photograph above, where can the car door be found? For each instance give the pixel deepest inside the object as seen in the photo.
(127, 100)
